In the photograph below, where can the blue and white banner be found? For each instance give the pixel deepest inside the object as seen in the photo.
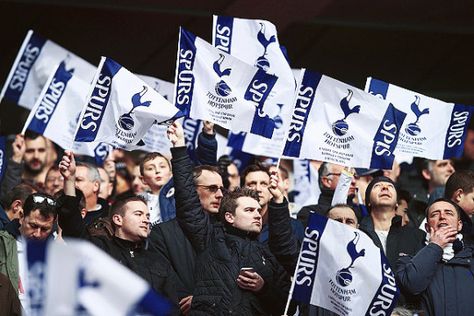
(56, 113)
(256, 43)
(433, 129)
(121, 108)
(305, 186)
(3, 156)
(78, 278)
(33, 65)
(340, 269)
(338, 123)
(342, 188)
(215, 86)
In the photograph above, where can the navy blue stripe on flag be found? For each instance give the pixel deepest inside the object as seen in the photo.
(36, 260)
(301, 111)
(223, 33)
(184, 82)
(50, 100)
(191, 133)
(386, 138)
(378, 88)
(97, 102)
(153, 304)
(456, 134)
(308, 259)
(386, 297)
(20, 75)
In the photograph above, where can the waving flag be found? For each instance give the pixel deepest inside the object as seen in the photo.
(340, 269)
(256, 43)
(121, 108)
(77, 278)
(433, 129)
(56, 113)
(214, 86)
(34, 63)
(335, 122)
(305, 186)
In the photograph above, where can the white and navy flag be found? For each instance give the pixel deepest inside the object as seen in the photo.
(56, 112)
(335, 122)
(340, 269)
(433, 129)
(121, 108)
(256, 43)
(34, 63)
(305, 183)
(77, 278)
(215, 86)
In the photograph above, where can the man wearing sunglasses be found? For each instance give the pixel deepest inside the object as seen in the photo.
(39, 214)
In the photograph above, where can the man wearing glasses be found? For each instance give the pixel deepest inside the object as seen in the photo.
(39, 214)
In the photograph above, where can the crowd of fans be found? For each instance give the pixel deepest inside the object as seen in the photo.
(218, 242)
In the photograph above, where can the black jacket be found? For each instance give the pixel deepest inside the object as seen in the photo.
(446, 288)
(324, 204)
(222, 251)
(467, 230)
(150, 265)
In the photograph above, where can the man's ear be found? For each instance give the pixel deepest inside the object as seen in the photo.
(229, 217)
(325, 181)
(117, 220)
(458, 195)
(16, 206)
(96, 186)
(426, 174)
(459, 225)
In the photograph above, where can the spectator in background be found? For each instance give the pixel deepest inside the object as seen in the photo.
(345, 214)
(106, 186)
(54, 181)
(138, 187)
(230, 172)
(11, 204)
(435, 173)
(403, 201)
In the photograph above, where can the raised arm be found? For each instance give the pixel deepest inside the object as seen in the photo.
(14, 169)
(192, 219)
(207, 145)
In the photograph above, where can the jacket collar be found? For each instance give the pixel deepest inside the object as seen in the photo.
(131, 244)
(240, 233)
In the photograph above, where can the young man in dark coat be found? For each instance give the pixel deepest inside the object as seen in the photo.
(223, 249)
(443, 271)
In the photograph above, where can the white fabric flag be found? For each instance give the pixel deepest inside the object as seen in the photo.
(342, 188)
(433, 129)
(78, 278)
(215, 86)
(256, 43)
(121, 108)
(56, 113)
(34, 63)
(340, 269)
(305, 183)
(335, 122)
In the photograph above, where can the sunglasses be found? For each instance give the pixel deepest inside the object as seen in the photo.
(212, 188)
(41, 198)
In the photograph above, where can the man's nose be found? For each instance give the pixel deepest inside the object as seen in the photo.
(219, 193)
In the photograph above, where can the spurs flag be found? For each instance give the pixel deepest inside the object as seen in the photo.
(121, 108)
(306, 189)
(215, 86)
(34, 63)
(56, 113)
(340, 269)
(77, 278)
(256, 43)
(335, 122)
(433, 129)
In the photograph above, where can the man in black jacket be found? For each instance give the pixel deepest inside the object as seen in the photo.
(225, 248)
(442, 272)
(128, 245)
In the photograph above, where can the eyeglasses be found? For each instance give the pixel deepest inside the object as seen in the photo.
(41, 198)
(333, 174)
(211, 188)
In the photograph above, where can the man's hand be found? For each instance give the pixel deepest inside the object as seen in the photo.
(443, 236)
(208, 128)
(185, 304)
(176, 134)
(67, 166)
(18, 148)
(274, 188)
(251, 281)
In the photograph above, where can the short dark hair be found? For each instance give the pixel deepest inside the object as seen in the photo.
(284, 172)
(197, 171)
(119, 206)
(19, 192)
(29, 134)
(229, 200)
(257, 166)
(47, 206)
(463, 180)
(151, 156)
(456, 207)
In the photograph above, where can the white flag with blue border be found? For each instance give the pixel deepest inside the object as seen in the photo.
(215, 86)
(256, 43)
(56, 113)
(341, 269)
(338, 123)
(77, 278)
(121, 108)
(433, 129)
(33, 65)
(305, 183)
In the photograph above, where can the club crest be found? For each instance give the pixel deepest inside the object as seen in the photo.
(413, 128)
(262, 61)
(340, 127)
(222, 89)
(126, 121)
(344, 275)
